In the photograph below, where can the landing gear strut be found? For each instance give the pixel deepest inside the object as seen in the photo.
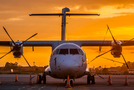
(39, 79)
(90, 78)
(44, 78)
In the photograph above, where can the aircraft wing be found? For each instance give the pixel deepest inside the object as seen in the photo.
(5, 43)
(54, 44)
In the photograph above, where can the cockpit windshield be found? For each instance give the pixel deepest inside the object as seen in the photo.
(74, 51)
(68, 51)
(63, 51)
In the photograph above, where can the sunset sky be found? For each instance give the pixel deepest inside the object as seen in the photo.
(118, 14)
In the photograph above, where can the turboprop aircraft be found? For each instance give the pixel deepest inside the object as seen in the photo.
(68, 58)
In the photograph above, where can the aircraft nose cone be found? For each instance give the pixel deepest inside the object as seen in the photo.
(70, 67)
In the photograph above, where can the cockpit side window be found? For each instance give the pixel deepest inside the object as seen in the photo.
(80, 51)
(74, 51)
(63, 51)
(56, 52)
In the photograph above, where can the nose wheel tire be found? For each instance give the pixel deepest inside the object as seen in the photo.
(93, 80)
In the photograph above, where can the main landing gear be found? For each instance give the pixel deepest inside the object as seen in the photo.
(42, 78)
(90, 78)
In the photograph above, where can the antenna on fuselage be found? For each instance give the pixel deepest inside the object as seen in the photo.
(63, 14)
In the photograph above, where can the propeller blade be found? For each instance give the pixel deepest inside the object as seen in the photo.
(9, 35)
(100, 76)
(26, 60)
(112, 60)
(103, 41)
(28, 38)
(100, 55)
(6, 54)
(112, 35)
(125, 61)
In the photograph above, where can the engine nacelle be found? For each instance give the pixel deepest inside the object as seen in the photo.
(17, 49)
(17, 54)
(116, 49)
(116, 54)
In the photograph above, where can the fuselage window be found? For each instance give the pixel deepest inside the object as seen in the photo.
(74, 51)
(80, 51)
(56, 52)
(63, 51)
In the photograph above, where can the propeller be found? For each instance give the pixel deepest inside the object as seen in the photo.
(16, 45)
(113, 48)
(118, 44)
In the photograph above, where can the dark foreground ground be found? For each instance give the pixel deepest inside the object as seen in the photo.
(7, 83)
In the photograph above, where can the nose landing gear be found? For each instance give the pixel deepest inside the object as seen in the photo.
(90, 78)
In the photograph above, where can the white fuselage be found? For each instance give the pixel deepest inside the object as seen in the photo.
(67, 59)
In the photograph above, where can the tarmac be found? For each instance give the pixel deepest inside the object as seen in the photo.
(118, 81)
